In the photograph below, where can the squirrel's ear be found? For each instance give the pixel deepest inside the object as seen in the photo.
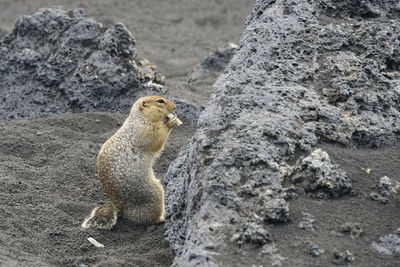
(143, 105)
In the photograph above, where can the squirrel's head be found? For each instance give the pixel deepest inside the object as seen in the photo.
(155, 108)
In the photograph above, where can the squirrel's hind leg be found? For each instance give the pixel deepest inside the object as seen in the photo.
(103, 217)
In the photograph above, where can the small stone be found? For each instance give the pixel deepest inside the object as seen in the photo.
(269, 249)
(384, 200)
(289, 193)
(374, 196)
(276, 210)
(355, 192)
(255, 233)
(397, 232)
(315, 250)
(388, 244)
(388, 187)
(355, 229)
(342, 258)
(377, 197)
(307, 222)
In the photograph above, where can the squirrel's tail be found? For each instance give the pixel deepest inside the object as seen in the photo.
(103, 217)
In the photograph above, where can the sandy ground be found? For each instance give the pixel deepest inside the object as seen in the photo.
(48, 185)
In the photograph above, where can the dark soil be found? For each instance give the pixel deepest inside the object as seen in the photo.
(49, 184)
(376, 219)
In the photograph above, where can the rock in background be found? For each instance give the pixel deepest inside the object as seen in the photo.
(214, 63)
(58, 61)
(305, 71)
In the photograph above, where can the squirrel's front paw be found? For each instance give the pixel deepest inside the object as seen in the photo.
(173, 120)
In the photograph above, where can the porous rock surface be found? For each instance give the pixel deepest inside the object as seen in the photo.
(387, 189)
(214, 63)
(304, 71)
(320, 177)
(60, 61)
(315, 250)
(388, 244)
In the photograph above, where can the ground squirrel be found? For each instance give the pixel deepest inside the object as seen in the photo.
(125, 165)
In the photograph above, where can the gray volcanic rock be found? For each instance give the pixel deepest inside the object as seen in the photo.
(355, 229)
(58, 61)
(214, 63)
(301, 74)
(388, 188)
(308, 222)
(342, 258)
(255, 233)
(388, 244)
(320, 177)
(377, 197)
(315, 250)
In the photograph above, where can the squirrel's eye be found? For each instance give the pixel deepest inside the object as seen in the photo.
(160, 101)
